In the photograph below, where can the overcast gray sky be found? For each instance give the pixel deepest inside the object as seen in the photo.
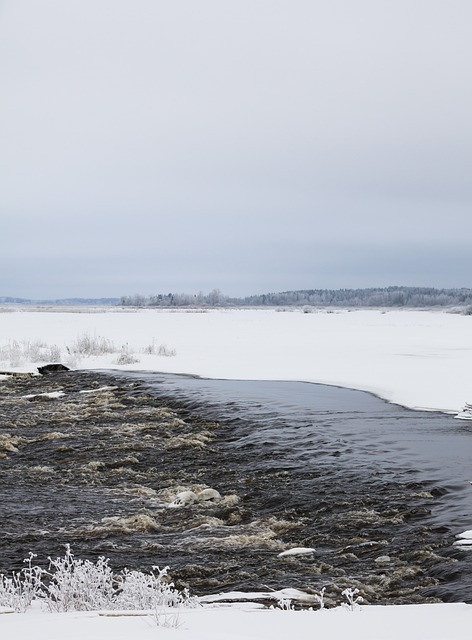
(246, 145)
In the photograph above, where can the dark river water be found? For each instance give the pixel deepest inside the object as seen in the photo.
(378, 491)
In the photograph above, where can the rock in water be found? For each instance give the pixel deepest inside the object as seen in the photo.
(52, 368)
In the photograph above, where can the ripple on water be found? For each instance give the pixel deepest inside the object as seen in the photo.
(290, 465)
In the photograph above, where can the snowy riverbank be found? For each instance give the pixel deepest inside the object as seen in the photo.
(409, 622)
(415, 358)
(420, 359)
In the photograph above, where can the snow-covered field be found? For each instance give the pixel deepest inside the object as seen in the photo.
(421, 622)
(420, 359)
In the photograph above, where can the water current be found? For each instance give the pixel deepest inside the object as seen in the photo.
(378, 491)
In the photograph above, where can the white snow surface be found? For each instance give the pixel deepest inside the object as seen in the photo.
(52, 395)
(297, 551)
(245, 622)
(420, 359)
(467, 535)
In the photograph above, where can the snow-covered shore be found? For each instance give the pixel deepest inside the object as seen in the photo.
(416, 358)
(420, 359)
(425, 622)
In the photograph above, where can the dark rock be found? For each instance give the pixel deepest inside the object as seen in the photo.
(52, 368)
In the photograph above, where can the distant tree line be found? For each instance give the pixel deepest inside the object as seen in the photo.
(373, 297)
(60, 301)
(213, 299)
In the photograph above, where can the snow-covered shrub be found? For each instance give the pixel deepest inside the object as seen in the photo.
(19, 591)
(78, 585)
(39, 351)
(320, 597)
(13, 353)
(71, 584)
(160, 350)
(87, 345)
(17, 353)
(167, 619)
(353, 600)
(285, 604)
(54, 354)
(137, 590)
(72, 361)
(126, 357)
(166, 351)
(150, 349)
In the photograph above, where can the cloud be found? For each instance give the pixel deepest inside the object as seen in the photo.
(230, 144)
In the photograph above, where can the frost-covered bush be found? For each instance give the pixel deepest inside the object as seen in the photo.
(13, 353)
(139, 590)
(166, 351)
(39, 351)
(19, 591)
(160, 350)
(353, 600)
(151, 348)
(17, 353)
(78, 585)
(72, 584)
(285, 604)
(126, 357)
(87, 345)
(164, 618)
(320, 597)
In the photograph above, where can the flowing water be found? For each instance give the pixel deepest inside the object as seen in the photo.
(377, 490)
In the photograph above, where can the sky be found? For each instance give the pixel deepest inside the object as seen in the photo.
(249, 145)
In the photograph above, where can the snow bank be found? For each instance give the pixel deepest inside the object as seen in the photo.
(420, 359)
(433, 622)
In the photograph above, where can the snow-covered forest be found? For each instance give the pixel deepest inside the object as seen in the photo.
(372, 297)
